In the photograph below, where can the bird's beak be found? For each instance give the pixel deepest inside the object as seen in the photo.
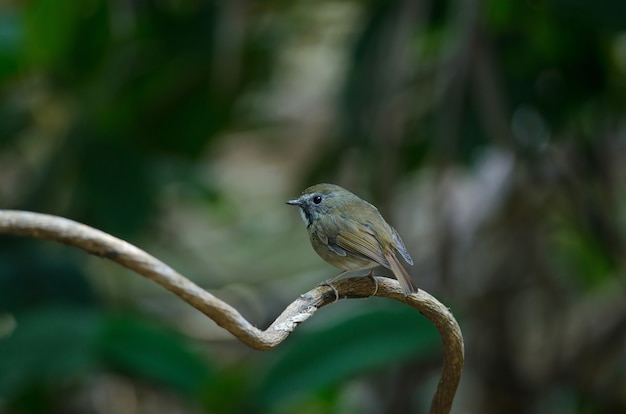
(295, 202)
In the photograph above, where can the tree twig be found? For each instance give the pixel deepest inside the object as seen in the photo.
(101, 244)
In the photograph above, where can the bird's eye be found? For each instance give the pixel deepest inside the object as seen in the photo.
(317, 199)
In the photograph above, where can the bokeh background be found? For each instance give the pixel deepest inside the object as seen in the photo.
(491, 134)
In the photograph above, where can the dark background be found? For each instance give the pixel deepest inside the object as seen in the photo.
(491, 134)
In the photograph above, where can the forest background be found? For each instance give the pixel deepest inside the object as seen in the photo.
(491, 134)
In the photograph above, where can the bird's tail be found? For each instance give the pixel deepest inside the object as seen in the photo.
(401, 274)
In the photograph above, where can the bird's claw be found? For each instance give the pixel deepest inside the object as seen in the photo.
(329, 283)
(371, 276)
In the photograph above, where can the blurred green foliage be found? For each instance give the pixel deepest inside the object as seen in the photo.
(119, 114)
(314, 361)
(56, 348)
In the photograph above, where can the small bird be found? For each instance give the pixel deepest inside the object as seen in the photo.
(350, 234)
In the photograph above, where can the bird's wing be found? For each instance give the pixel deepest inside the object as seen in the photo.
(360, 241)
(364, 243)
(400, 247)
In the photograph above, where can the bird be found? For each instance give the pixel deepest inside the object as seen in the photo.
(350, 234)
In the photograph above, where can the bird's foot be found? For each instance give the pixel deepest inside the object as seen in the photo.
(329, 283)
(371, 276)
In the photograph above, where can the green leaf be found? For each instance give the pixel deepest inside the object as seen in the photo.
(50, 28)
(378, 337)
(144, 350)
(49, 345)
(54, 345)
